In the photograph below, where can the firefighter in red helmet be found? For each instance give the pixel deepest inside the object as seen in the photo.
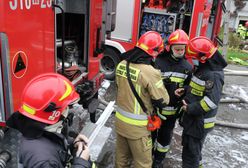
(200, 103)
(40, 119)
(139, 89)
(176, 73)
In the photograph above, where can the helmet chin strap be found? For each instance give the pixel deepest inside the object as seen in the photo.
(58, 127)
(176, 57)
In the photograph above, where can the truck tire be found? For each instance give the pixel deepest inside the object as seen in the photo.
(110, 60)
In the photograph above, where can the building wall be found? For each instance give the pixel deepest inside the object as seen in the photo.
(242, 15)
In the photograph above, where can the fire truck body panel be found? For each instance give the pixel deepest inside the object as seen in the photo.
(31, 33)
(196, 17)
(27, 46)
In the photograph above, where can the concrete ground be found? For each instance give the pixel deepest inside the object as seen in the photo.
(224, 147)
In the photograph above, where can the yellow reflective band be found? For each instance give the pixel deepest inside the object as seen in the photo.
(28, 109)
(131, 121)
(159, 84)
(190, 52)
(93, 165)
(196, 86)
(149, 142)
(121, 71)
(136, 103)
(162, 150)
(196, 92)
(143, 46)
(165, 112)
(175, 37)
(67, 92)
(212, 50)
(177, 80)
(209, 125)
(204, 105)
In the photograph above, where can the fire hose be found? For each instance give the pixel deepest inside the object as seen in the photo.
(231, 125)
(235, 72)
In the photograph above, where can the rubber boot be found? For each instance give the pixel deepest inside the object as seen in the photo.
(158, 159)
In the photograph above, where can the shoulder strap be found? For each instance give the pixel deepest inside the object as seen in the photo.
(134, 91)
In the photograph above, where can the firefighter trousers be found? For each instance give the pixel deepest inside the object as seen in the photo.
(164, 136)
(137, 150)
(192, 148)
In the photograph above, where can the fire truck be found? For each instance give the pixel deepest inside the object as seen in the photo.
(40, 36)
(134, 17)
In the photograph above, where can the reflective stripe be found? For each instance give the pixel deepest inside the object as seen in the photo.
(28, 109)
(196, 86)
(209, 125)
(209, 122)
(121, 71)
(169, 110)
(198, 81)
(196, 92)
(159, 84)
(207, 104)
(130, 118)
(174, 74)
(161, 116)
(177, 80)
(136, 103)
(163, 149)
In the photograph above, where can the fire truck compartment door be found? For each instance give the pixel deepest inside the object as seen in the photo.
(124, 20)
(27, 28)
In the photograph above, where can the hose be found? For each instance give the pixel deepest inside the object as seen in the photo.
(231, 125)
(235, 72)
(232, 100)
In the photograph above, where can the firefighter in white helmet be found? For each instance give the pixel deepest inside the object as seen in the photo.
(138, 86)
(43, 119)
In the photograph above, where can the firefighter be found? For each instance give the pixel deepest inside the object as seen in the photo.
(176, 73)
(246, 25)
(43, 119)
(242, 31)
(200, 103)
(139, 87)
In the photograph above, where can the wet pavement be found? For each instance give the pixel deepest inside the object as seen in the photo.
(224, 147)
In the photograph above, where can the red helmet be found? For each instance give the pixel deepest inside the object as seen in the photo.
(177, 37)
(200, 48)
(151, 42)
(246, 24)
(46, 96)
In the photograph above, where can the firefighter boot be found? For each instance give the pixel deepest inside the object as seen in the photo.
(158, 159)
(157, 164)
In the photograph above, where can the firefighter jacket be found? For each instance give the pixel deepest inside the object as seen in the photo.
(203, 96)
(131, 121)
(176, 74)
(42, 149)
(50, 150)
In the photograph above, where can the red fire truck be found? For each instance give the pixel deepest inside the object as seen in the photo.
(39, 36)
(134, 17)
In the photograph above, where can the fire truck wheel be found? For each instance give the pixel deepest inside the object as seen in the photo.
(109, 62)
